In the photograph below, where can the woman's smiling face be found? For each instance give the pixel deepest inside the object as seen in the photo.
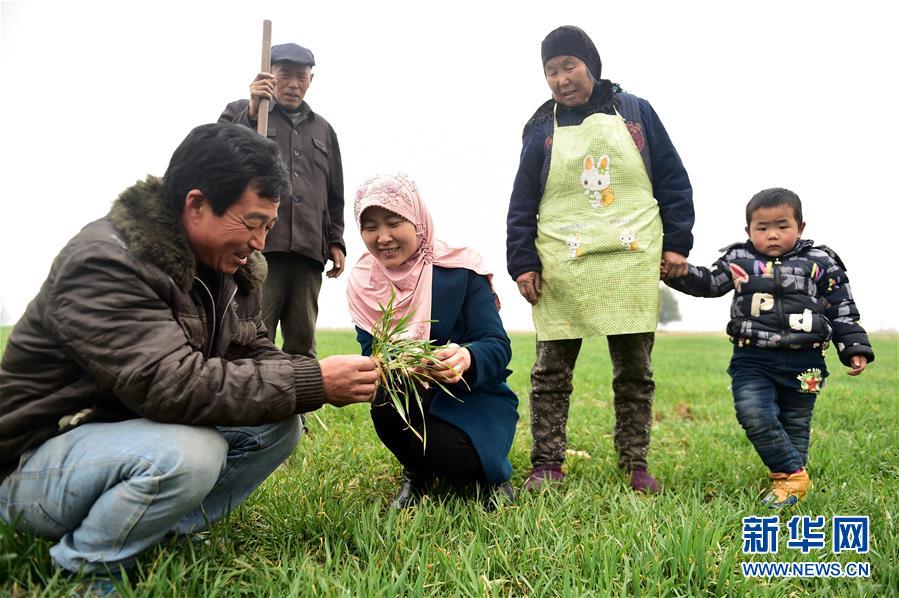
(388, 236)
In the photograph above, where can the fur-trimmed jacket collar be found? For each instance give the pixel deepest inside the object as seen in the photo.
(155, 234)
(112, 336)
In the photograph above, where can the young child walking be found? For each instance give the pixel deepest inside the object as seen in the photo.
(791, 299)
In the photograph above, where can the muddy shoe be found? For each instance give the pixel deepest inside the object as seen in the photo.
(544, 475)
(641, 481)
(787, 489)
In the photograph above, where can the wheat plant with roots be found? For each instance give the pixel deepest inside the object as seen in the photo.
(405, 365)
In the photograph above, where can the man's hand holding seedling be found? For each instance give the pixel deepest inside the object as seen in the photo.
(348, 379)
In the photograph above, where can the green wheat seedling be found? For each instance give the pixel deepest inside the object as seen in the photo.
(405, 365)
(318, 525)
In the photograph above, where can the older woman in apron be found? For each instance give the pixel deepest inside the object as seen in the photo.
(600, 206)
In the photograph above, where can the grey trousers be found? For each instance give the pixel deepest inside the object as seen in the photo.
(290, 297)
(632, 386)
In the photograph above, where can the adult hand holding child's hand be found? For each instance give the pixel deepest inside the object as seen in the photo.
(674, 265)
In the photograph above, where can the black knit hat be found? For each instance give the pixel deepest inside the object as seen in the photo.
(572, 41)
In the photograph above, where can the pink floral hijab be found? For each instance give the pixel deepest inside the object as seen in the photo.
(370, 282)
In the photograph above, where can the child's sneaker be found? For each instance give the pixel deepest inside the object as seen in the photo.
(787, 489)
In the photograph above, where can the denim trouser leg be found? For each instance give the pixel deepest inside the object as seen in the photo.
(108, 491)
(253, 454)
(796, 418)
(775, 414)
(755, 400)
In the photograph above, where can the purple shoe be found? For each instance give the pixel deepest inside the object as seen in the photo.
(641, 481)
(543, 475)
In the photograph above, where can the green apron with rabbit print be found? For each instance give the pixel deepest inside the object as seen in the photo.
(599, 235)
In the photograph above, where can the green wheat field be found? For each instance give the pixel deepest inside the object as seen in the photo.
(320, 526)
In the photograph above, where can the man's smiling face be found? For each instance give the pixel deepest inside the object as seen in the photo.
(224, 242)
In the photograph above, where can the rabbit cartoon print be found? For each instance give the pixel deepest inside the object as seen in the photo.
(596, 179)
(574, 246)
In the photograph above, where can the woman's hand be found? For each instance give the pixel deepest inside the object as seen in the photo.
(454, 361)
(530, 286)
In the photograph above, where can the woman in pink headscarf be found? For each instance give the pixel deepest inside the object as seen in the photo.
(448, 291)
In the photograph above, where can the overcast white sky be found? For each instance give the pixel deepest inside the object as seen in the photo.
(754, 95)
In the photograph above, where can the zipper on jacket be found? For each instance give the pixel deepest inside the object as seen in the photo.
(778, 299)
(212, 301)
(216, 324)
(227, 305)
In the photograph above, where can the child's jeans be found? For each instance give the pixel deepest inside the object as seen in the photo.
(774, 396)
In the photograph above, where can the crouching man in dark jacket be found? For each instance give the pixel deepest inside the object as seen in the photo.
(139, 394)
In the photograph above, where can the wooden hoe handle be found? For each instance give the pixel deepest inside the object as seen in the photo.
(262, 119)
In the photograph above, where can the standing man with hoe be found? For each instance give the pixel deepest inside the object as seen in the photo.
(310, 220)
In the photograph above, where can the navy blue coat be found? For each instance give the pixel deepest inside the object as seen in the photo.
(487, 409)
(670, 183)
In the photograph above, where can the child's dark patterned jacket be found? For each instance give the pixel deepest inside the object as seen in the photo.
(800, 300)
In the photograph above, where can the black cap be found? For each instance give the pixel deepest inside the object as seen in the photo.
(292, 53)
(572, 41)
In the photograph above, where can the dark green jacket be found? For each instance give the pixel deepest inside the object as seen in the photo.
(123, 328)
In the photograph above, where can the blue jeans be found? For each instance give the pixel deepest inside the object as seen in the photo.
(774, 396)
(108, 491)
